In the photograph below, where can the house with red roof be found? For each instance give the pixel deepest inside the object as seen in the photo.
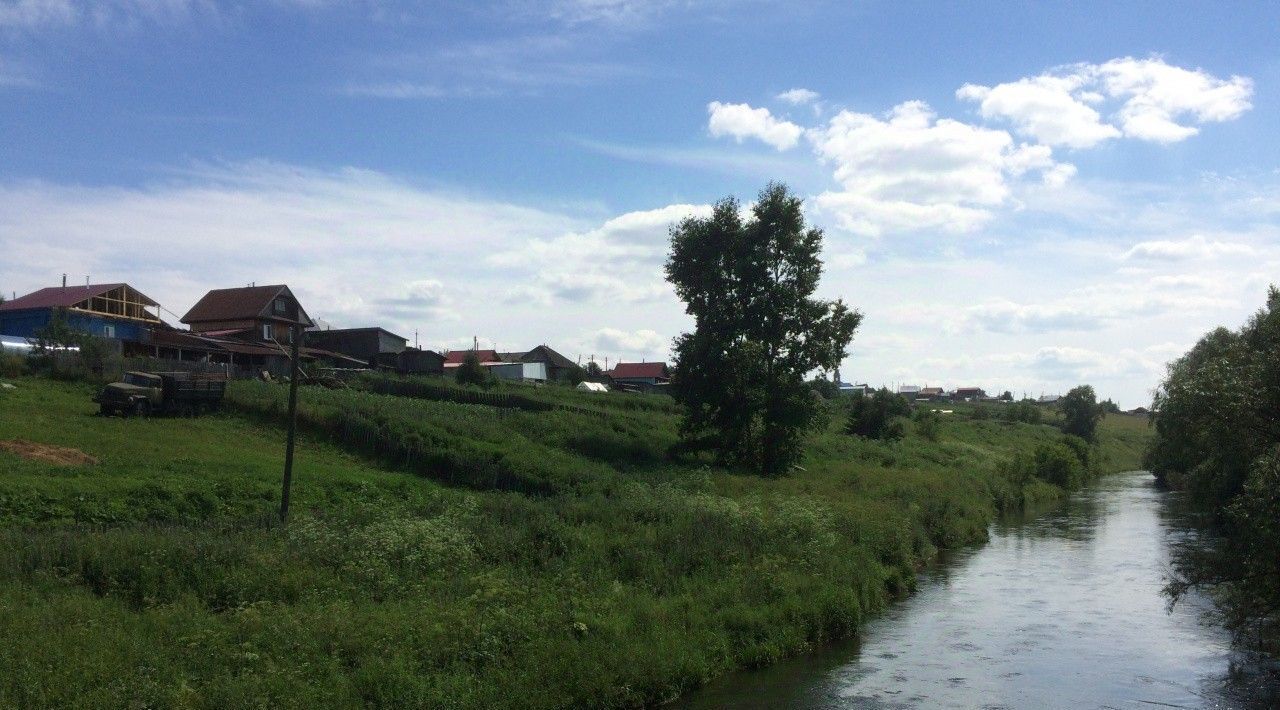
(114, 310)
(640, 374)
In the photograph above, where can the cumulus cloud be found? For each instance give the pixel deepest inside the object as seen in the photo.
(912, 170)
(798, 96)
(618, 262)
(741, 121)
(1158, 95)
(1049, 108)
(1194, 247)
(1149, 99)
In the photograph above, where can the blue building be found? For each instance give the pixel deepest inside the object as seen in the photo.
(106, 310)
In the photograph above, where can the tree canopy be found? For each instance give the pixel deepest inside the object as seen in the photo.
(1081, 411)
(1217, 422)
(758, 330)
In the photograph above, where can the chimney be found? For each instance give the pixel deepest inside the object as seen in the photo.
(86, 282)
(475, 342)
(64, 282)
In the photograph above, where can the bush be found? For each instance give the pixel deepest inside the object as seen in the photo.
(928, 424)
(979, 413)
(12, 364)
(877, 416)
(1058, 464)
(1025, 411)
(1085, 452)
(471, 372)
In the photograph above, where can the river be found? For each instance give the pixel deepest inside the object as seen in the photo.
(1060, 611)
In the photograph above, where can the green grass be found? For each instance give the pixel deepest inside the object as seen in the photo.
(453, 555)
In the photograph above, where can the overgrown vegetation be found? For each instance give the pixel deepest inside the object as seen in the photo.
(444, 554)
(1217, 423)
(878, 416)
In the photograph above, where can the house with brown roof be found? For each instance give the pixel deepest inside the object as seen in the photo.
(261, 314)
(253, 325)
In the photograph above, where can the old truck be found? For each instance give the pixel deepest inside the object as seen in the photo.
(147, 393)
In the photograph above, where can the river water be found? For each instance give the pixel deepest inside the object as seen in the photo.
(1061, 611)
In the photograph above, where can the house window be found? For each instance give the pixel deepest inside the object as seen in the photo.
(267, 331)
(108, 331)
(280, 306)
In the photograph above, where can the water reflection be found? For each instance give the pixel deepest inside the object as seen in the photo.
(1062, 611)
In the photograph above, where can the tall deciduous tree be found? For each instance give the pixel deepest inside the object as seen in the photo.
(1081, 412)
(758, 332)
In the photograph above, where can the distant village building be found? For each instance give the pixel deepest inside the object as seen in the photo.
(378, 348)
(909, 391)
(363, 343)
(931, 393)
(645, 376)
(498, 366)
(557, 366)
(1048, 399)
(862, 389)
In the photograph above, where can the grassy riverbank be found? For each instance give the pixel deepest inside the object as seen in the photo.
(453, 555)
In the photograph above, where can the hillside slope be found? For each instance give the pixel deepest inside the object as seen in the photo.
(451, 555)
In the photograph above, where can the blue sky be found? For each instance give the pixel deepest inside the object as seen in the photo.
(1019, 197)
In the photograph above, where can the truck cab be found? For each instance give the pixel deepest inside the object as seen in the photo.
(136, 393)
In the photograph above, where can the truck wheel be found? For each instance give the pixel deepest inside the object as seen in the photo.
(141, 409)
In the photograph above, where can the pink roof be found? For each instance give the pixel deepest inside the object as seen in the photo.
(59, 297)
(639, 369)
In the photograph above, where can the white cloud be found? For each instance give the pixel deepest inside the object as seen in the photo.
(1159, 95)
(629, 343)
(798, 96)
(1151, 99)
(1003, 316)
(34, 13)
(39, 14)
(359, 247)
(913, 171)
(619, 262)
(1193, 247)
(1047, 108)
(521, 65)
(741, 121)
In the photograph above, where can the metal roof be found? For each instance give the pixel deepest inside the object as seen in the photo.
(638, 369)
(66, 297)
(455, 357)
(365, 329)
(248, 302)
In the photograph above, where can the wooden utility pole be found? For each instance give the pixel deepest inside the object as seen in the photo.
(296, 331)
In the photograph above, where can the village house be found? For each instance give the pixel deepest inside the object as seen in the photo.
(254, 325)
(932, 394)
(909, 391)
(969, 394)
(116, 311)
(557, 366)
(497, 365)
(645, 376)
(378, 348)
